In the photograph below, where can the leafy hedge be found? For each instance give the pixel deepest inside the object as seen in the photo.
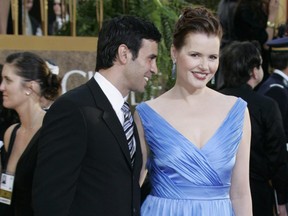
(163, 13)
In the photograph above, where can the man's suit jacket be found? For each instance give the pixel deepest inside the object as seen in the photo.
(276, 87)
(84, 166)
(268, 151)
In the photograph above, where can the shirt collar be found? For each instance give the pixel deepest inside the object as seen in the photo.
(112, 93)
(276, 71)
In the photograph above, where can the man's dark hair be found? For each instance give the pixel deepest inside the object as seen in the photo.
(237, 61)
(279, 59)
(128, 30)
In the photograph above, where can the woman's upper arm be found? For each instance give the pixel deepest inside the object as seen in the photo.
(240, 187)
(143, 145)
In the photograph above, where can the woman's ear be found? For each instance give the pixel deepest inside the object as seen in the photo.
(31, 86)
(28, 88)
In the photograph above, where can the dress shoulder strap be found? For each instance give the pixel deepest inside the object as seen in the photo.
(12, 138)
(5, 155)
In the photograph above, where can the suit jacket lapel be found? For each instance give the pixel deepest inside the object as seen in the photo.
(109, 117)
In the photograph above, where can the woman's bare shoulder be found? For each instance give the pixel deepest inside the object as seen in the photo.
(159, 102)
(7, 135)
(225, 100)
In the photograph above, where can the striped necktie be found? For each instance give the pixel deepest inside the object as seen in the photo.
(129, 130)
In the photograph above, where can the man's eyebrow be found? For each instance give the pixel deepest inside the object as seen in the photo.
(152, 56)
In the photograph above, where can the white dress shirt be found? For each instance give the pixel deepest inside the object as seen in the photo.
(113, 94)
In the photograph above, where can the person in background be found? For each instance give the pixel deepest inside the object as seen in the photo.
(25, 79)
(61, 15)
(248, 20)
(195, 141)
(226, 13)
(276, 86)
(4, 13)
(7, 118)
(32, 26)
(241, 65)
(89, 157)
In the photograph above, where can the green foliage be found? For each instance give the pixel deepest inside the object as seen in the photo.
(86, 24)
(212, 4)
(65, 30)
(163, 13)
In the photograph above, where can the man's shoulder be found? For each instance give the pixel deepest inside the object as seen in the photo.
(77, 95)
(80, 90)
(277, 88)
(276, 80)
(264, 102)
(254, 99)
(271, 82)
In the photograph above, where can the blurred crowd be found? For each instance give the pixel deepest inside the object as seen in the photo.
(29, 17)
(253, 65)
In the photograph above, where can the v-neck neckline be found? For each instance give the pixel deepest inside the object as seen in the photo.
(178, 132)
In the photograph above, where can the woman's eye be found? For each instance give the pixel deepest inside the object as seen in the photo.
(213, 57)
(195, 55)
(7, 80)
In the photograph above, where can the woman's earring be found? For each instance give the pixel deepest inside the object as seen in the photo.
(27, 93)
(174, 70)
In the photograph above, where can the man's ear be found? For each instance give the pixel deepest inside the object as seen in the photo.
(253, 73)
(123, 53)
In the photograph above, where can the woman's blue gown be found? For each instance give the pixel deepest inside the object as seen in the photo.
(187, 180)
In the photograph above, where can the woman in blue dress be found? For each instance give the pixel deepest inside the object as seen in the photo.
(195, 141)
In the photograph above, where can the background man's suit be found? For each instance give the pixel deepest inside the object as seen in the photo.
(268, 152)
(276, 87)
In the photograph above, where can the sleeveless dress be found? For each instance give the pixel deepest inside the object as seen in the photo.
(187, 180)
(21, 204)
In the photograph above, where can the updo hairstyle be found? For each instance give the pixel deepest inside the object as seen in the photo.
(31, 67)
(195, 20)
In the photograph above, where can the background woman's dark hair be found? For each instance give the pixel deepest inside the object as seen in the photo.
(32, 67)
(226, 13)
(195, 20)
(237, 61)
(251, 20)
(128, 30)
(257, 4)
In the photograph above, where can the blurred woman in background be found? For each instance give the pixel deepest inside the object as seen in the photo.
(25, 79)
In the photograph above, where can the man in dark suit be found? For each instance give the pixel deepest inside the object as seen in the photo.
(84, 165)
(241, 66)
(276, 86)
